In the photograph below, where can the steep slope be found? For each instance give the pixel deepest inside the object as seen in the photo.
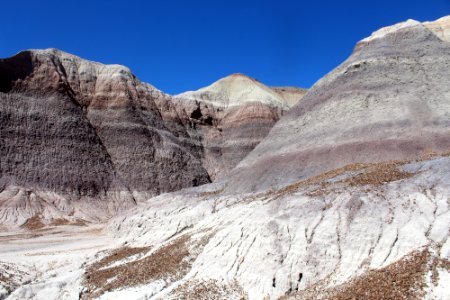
(440, 27)
(388, 100)
(309, 240)
(351, 193)
(76, 132)
(84, 139)
(232, 116)
(375, 231)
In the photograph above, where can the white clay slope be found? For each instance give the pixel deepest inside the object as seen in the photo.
(440, 27)
(236, 90)
(335, 234)
(254, 246)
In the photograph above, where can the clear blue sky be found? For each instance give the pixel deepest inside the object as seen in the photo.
(184, 45)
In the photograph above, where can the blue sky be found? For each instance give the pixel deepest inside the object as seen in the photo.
(184, 45)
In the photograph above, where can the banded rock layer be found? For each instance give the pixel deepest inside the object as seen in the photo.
(232, 116)
(389, 100)
(363, 231)
(353, 201)
(84, 139)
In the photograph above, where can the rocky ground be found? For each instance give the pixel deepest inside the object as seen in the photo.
(379, 229)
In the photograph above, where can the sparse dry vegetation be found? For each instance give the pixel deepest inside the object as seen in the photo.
(401, 280)
(378, 174)
(118, 255)
(33, 223)
(375, 174)
(319, 179)
(63, 222)
(170, 262)
(211, 193)
(404, 279)
(208, 290)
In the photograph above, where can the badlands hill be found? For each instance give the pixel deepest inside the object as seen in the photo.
(235, 90)
(88, 140)
(84, 139)
(351, 201)
(389, 100)
(232, 116)
(351, 196)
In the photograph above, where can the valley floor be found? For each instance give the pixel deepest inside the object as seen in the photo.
(48, 263)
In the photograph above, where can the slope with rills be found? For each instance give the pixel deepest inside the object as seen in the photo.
(313, 239)
(388, 100)
(355, 226)
(83, 139)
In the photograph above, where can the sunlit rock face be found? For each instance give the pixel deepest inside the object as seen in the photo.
(345, 198)
(388, 100)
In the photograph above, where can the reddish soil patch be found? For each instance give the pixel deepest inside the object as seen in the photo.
(63, 222)
(33, 223)
(374, 174)
(401, 280)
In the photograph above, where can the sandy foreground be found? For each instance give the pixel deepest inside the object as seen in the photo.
(48, 263)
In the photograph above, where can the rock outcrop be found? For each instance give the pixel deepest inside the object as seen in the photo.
(80, 137)
(388, 100)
